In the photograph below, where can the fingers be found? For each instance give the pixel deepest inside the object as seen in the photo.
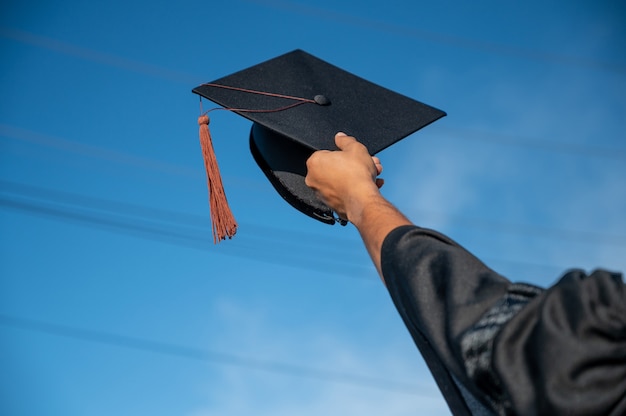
(379, 166)
(379, 169)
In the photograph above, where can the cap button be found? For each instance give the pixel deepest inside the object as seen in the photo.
(321, 100)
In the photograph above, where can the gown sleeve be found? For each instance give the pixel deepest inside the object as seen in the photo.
(499, 347)
(565, 352)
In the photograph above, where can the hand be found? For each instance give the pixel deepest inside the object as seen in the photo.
(345, 179)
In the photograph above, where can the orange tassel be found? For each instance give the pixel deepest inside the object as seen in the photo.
(223, 222)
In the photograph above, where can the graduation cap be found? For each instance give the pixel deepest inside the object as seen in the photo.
(297, 103)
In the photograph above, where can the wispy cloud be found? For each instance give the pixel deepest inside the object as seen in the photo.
(516, 185)
(244, 392)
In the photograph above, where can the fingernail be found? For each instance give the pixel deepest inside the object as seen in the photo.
(340, 133)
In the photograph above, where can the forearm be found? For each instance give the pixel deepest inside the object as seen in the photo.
(375, 218)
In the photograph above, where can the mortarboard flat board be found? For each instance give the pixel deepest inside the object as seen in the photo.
(297, 104)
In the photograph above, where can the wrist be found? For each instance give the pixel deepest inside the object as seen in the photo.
(360, 201)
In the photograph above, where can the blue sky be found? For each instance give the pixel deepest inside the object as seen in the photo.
(113, 299)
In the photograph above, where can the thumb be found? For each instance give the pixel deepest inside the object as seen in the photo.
(342, 140)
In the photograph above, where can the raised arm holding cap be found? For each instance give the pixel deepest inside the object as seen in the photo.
(493, 346)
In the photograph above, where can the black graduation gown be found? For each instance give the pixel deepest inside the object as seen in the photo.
(496, 347)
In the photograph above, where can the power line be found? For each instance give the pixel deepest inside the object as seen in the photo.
(266, 253)
(197, 223)
(266, 244)
(99, 57)
(72, 202)
(147, 163)
(116, 156)
(198, 354)
(444, 39)
(112, 155)
(259, 251)
(404, 31)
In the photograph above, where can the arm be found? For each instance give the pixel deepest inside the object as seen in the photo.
(513, 348)
(346, 180)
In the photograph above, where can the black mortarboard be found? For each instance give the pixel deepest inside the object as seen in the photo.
(297, 103)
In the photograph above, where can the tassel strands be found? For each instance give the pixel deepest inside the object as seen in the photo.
(223, 222)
